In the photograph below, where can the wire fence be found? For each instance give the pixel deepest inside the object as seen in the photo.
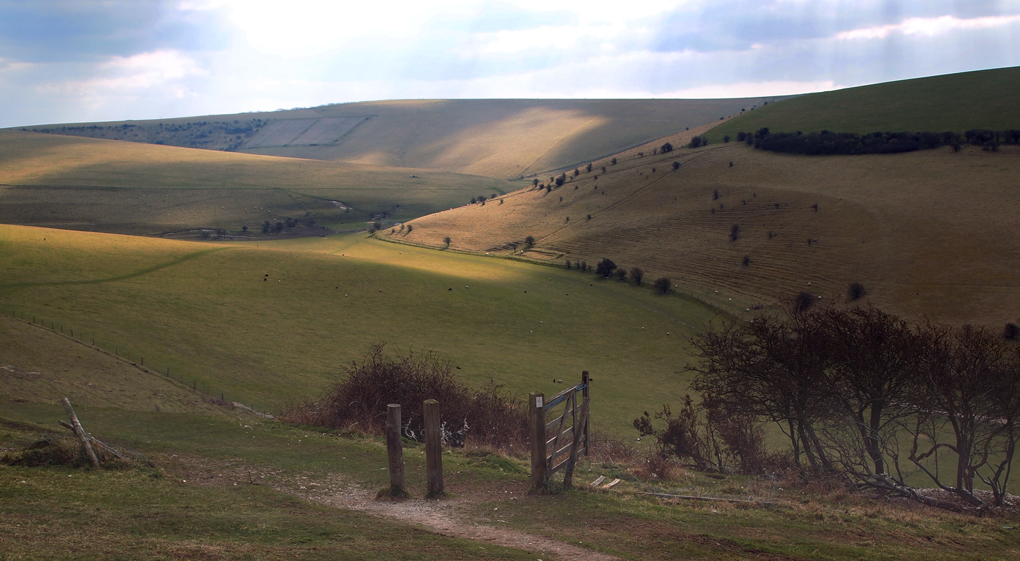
(209, 392)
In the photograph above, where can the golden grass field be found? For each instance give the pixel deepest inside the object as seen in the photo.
(134, 188)
(928, 233)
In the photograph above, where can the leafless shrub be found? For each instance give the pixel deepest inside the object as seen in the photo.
(491, 415)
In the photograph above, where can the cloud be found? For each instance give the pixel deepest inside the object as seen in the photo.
(128, 75)
(751, 89)
(124, 59)
(928, 27)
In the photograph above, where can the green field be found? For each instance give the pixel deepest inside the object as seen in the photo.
(955, 102)
(273, 322)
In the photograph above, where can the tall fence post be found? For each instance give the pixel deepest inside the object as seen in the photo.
(538, 455)
(433, 448)
(395, 450)
(586, 380)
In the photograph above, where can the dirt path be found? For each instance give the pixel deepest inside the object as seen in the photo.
(447, 517)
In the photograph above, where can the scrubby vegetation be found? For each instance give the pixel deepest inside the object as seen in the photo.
(491, 416)
(858, 393)
(827, 143)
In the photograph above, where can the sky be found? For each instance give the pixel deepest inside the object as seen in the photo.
(64, 61)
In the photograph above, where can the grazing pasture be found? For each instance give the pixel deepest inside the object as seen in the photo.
(272, 323)
(132, 188)
(929, 233)
(496, 138)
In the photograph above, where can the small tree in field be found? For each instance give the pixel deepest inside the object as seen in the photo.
(856, 291)
(621, 274)
(409, 228)
(605, 268)
(663, 285)
(529, 241)
(637, 274)
(446, 240)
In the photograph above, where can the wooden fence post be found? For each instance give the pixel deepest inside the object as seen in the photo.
(80, 432)
(395, 450)
(586, 380)
(538, 455)
(433, 448)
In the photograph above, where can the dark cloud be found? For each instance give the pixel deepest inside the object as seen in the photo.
(76, 30)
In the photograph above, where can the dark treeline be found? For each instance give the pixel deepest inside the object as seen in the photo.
(859, 393)
(827, 143)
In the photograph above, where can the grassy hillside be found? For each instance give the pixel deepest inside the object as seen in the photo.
(273, 323)
(218, 483)
(87, 184)
(983, 99)
(501, 139)
(928, 233)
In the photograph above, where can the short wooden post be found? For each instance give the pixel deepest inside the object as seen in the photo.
(80, 432)
(433, 448)
(395, 449)
(539, 477)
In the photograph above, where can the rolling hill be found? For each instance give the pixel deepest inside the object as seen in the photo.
(132, 188)
(502, 139)
(928, 233)
(982, 99)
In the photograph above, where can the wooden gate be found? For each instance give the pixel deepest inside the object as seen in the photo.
(569, 433)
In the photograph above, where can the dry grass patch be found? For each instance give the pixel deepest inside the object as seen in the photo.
(927, 233)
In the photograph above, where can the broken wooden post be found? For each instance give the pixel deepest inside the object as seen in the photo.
(538, 455)
(395, 449)
(433, 448)
(80, 432)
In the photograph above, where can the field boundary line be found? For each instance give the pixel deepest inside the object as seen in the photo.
(135, 274)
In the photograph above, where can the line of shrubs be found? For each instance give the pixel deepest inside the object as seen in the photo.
(828, 143)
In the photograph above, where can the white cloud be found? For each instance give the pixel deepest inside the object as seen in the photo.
(927, 27)
(751, 89)
(157, 69)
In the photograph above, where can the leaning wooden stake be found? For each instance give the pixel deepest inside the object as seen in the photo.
(395, 450)
(78, 430)
(433, 448)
